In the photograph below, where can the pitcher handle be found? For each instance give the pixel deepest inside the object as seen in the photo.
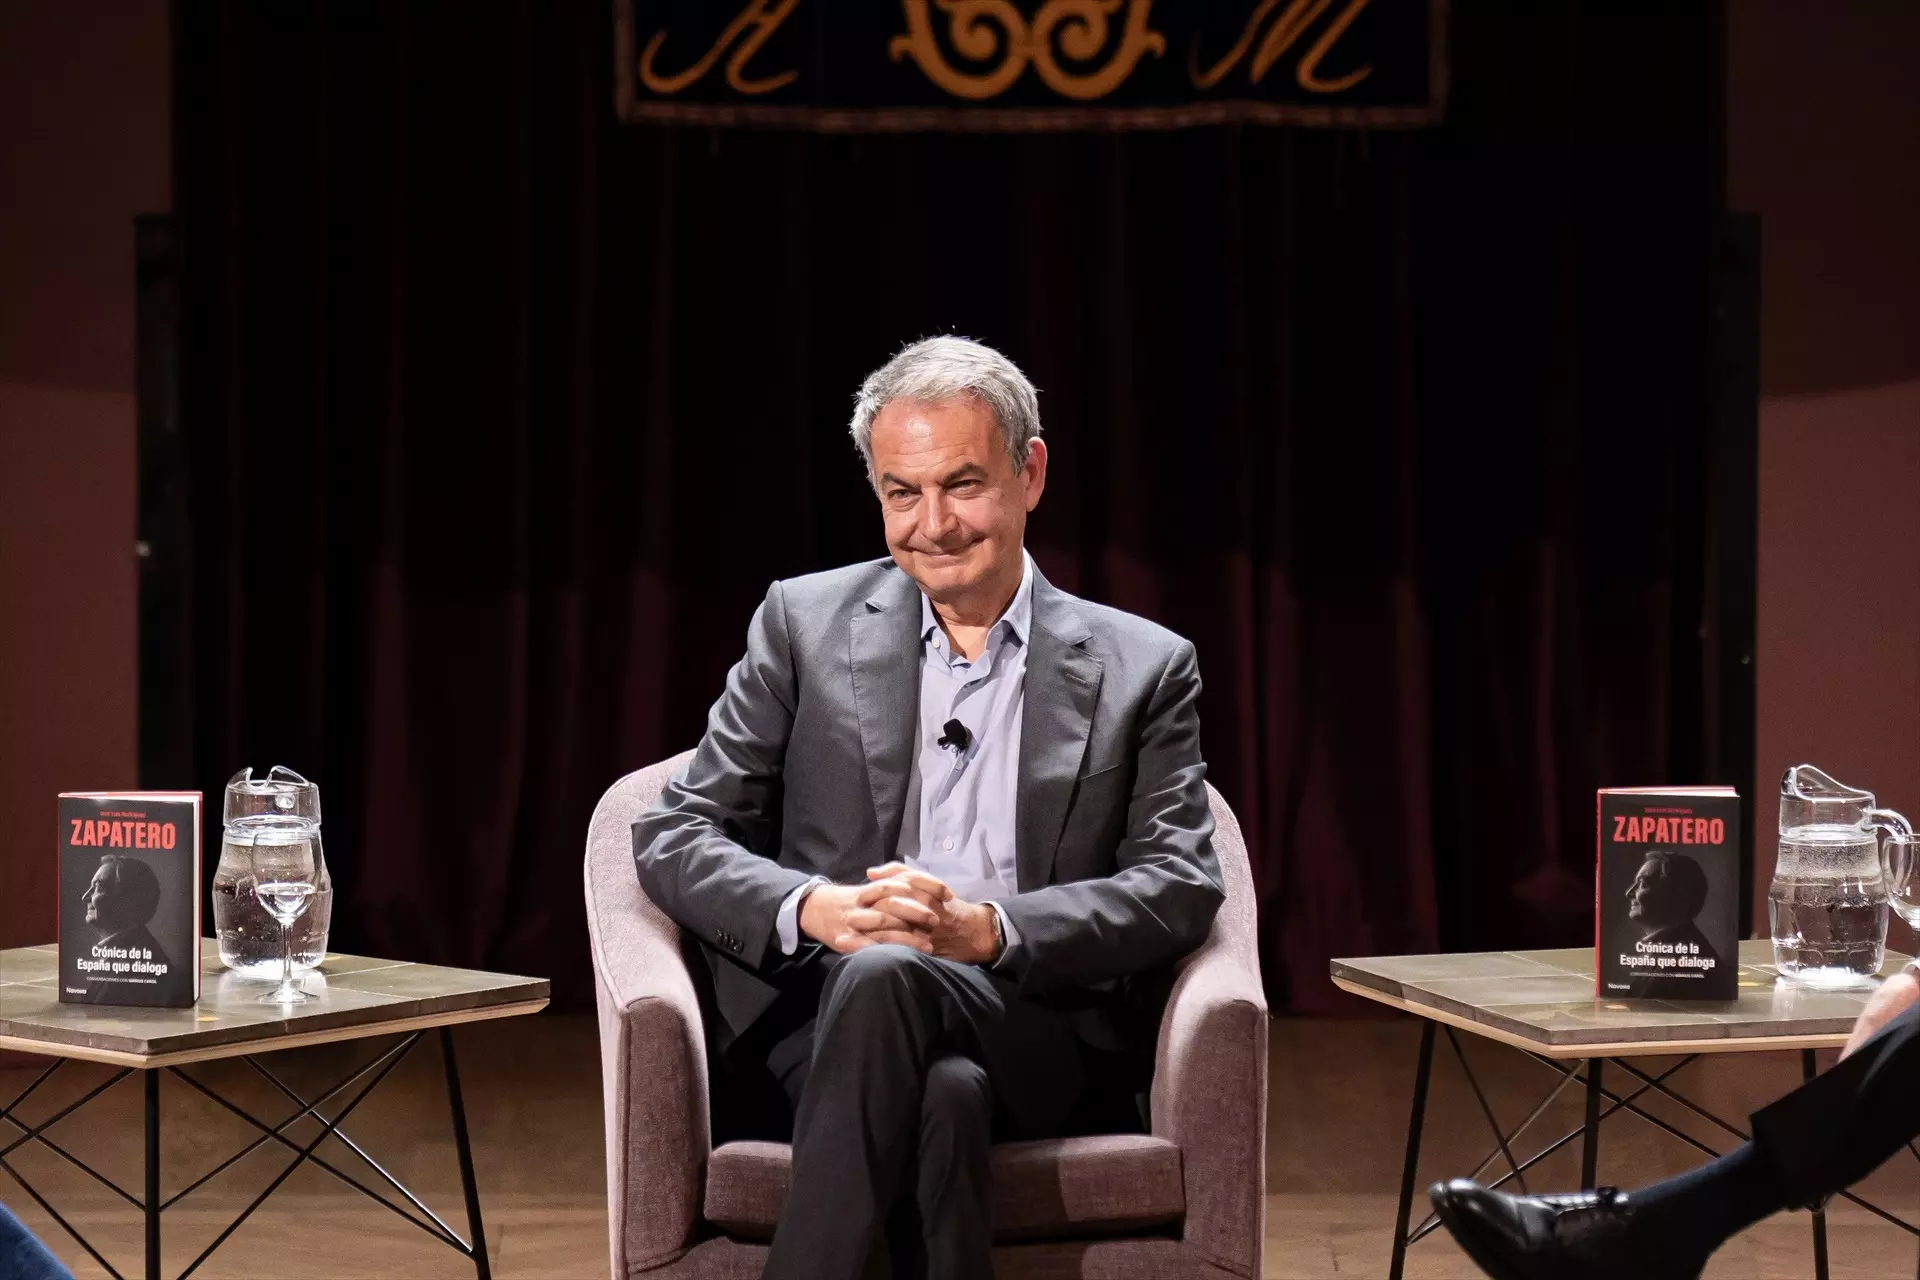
(1889, 822)
(1900, 863)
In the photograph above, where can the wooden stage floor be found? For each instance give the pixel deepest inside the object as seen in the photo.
(1340, 1096)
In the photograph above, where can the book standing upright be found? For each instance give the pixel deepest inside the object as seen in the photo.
(1667, 887)
(130, 897)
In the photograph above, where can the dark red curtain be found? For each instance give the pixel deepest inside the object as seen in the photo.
(499, 417)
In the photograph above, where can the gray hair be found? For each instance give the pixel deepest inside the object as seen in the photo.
(933, 370)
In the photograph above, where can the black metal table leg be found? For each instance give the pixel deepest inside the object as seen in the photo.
(1414, 1125)
(1807, 1072)
(1590, 1144)
(151, 1204)
(477, 1233)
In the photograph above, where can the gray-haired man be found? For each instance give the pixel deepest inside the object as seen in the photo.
(946, 823)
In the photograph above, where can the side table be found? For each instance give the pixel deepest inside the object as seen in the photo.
(1542, 1003)
(360, 997)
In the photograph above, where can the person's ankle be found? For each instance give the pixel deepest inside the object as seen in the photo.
(1693, 1213)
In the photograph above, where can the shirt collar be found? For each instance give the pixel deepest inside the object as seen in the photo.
(1018, 618)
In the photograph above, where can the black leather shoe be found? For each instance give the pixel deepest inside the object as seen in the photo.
(1586, 1236)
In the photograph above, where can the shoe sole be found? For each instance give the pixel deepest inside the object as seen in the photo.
(1470, 1245)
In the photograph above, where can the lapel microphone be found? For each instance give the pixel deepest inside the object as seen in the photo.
(957, 736)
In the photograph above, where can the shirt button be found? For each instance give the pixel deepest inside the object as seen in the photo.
(947, 844)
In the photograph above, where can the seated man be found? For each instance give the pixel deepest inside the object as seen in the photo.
(946, 824)
(1819, 1139)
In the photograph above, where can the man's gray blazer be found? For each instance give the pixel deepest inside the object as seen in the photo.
(804, 771)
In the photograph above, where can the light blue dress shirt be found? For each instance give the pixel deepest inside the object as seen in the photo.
(961, 805)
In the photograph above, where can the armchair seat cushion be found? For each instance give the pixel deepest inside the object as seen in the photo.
(1057, 1187)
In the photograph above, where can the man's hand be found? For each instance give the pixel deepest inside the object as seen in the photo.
(900, 905)
(959, 930)
(846, 917)
(1895, 996)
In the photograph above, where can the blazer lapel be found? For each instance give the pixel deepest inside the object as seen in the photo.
(884, 650)
(1063, 684)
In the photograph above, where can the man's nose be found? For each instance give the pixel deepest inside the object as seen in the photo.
(936, 516)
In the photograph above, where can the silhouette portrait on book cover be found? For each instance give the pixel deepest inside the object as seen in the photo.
(121, 900)
(1667, 892)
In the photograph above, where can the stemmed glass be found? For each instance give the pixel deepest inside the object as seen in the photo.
(1901, 852)
(283, 883)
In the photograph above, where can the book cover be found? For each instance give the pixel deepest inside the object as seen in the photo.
(1667, 887)
(130, 897)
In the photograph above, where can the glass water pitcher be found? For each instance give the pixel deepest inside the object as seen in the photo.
(1828, 902)
(278, 812)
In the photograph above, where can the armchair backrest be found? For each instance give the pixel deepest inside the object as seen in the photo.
(612, 886)
(1235, 929)
(653, 1067)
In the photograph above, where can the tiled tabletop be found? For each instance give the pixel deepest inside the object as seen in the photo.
(358, 996)
(1544, 1000)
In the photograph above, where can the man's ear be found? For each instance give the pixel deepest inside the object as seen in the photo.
(1034, 473)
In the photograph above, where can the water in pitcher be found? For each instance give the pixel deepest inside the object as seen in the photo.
(248, 935)
(1828, 906)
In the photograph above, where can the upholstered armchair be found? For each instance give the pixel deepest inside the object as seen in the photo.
(1185, 1200)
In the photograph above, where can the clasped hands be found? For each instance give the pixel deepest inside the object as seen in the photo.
(901, 905)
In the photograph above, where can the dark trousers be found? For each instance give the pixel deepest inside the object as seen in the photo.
(900, 1071)
(1842, 1125)
(22, 1256)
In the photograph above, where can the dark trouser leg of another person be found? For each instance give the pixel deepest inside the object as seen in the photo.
(881, 1079)
(1820, 1139)
(22, 1256)
(1842, 1125)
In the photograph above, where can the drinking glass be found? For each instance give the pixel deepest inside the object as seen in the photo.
(1902, 854)
(284, 876)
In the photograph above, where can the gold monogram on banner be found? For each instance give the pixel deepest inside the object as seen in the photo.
(982, 30)
(749, 30)
(1030, 64)
(1293, 22)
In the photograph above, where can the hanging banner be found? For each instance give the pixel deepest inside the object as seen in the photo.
(1008, 65)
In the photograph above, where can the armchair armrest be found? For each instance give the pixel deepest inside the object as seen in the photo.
(653, 1061)
(1210, 1098)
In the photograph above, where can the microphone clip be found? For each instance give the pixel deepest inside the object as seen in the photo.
(956, 736)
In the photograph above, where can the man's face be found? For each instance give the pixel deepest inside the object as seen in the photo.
(1647, 899)
(955, 506)
(102, 902)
